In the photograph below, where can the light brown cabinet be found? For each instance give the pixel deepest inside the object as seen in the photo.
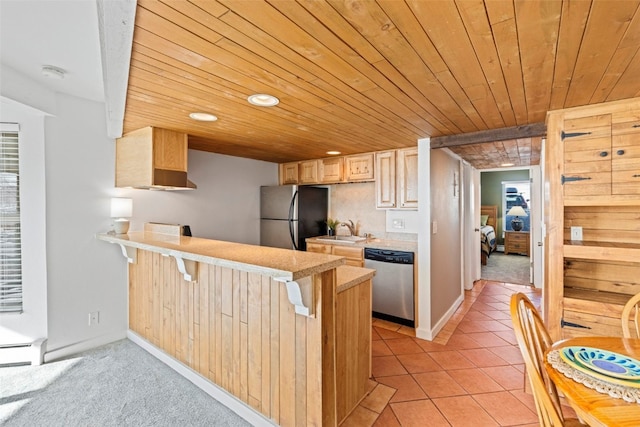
(600, 156)
(386, 179)
(289, 173)
(359, 168)
(330, 170)
(408, 178)
(354, 255)
(593, 176)
(308, 172)
(397, 179)
(516, 242)
(152, 157)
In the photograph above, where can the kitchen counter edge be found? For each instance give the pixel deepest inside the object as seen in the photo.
(273, 262)
(349, 276)
(398, 245)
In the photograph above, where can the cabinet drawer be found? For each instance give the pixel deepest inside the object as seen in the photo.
(323, 249)
(518, 246)
(349, 252)
(518, 238)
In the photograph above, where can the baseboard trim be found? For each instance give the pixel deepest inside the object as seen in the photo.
(81, 346)
(447, 316)
(221, 395)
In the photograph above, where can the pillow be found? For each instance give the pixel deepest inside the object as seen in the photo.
(484, 219)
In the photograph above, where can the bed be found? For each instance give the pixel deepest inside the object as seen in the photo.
(488, 242)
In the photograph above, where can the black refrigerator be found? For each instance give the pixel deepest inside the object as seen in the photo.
(290, 213)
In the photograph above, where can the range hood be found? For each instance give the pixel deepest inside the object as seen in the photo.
(164, 179)
(153, 159)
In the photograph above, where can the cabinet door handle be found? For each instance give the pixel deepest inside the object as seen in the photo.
(603, 154)
(620, 152)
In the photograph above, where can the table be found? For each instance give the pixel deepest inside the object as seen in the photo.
(594, 408)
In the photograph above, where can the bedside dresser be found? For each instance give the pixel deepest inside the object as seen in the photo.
(516, 242)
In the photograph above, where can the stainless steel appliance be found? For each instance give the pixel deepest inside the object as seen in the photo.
(392, 284)
(290, 213)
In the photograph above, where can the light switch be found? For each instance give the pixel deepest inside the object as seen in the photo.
(576, 233)
(434, 227)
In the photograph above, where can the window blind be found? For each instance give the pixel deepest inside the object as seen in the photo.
(10, 235)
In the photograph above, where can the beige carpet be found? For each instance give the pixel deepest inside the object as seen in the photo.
(507, 268)
(116, 385)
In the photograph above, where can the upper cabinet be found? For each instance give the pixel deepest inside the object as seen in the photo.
(359, 168)
(331, 170)
(600, 158)
(407, 172)
(395, 173)
(289, 173)
(308, 172)
(386, 179)
(152, 158)
(397, 179)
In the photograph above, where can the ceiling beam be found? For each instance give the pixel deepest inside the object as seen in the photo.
(492, 135)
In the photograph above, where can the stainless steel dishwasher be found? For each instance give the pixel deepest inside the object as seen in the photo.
(392, 285)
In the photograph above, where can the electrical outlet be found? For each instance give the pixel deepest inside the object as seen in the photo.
(94, 318)
(398, 223)
(576, 233)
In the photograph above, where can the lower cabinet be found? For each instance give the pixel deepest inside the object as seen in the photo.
(354, 255)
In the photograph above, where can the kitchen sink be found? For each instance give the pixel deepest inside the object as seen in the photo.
(343, 239)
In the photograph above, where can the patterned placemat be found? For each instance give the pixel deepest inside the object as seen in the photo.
(629, 394)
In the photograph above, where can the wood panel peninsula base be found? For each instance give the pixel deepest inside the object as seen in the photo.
(233, 315)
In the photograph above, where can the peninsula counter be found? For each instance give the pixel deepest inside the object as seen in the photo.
(286, 332)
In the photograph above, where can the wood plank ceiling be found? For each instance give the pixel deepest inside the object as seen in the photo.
(361, 76)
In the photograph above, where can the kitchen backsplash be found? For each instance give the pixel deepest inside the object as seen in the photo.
(357, 202)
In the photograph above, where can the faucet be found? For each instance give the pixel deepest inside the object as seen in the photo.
(350, 226)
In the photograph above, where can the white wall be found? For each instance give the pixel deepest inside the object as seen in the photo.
(71, 164)
(84, 274)
(31, 324)
(446, 243)
(225, 206)
(423, 327)
(357, 202)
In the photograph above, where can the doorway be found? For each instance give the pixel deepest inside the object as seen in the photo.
(510, 191)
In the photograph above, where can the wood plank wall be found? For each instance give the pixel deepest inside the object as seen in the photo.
(239, 330)
(595, 289)
(353, 347)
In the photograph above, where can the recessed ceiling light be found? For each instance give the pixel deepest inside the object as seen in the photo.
(333, 153)
(263, 100)
(504, 165)
(203, 117)
(53, 72)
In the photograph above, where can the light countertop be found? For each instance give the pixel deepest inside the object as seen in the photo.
(397, 245)
(273, 262)
(349, 276)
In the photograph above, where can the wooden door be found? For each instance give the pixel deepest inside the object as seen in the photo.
(385, 179)
(625, 152)
(408, 178)
(587, 156)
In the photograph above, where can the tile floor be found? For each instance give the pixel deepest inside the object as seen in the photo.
(472, 374)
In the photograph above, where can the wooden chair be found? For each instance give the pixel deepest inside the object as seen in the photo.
(631, 307)
(533, 340)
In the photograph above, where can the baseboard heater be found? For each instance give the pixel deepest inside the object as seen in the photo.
(23, 354)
